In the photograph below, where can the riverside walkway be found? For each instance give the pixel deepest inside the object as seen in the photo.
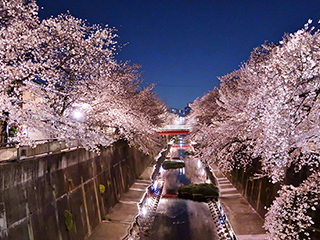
(246, 223)
(121, 216)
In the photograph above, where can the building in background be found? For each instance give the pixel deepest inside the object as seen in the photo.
(182, 112)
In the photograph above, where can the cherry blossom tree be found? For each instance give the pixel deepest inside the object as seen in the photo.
(17, 21)
(267, 114)
(293, 213)
(70, 65)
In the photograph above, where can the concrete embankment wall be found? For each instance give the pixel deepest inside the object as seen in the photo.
(65, 195)
(260, 192)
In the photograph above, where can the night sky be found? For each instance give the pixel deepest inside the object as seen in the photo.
(184, 45)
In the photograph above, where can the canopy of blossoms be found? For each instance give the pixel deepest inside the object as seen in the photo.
(268, 112)
(69, 66)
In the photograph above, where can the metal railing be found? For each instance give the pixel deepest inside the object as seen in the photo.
(13, 151)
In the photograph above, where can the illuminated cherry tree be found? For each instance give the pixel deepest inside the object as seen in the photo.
(292, 214)
(69, 66)
(267, 113)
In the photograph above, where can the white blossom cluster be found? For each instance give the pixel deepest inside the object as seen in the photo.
(290, 215)
(69, 66)
(266, 114)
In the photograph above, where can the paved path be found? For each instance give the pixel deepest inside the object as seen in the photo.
(123, 213)
(245, 221)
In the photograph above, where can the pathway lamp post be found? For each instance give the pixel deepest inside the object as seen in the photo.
(78, 115)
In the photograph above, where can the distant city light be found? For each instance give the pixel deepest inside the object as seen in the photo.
(181, 120)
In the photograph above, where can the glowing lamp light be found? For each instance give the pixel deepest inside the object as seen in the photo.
(199, 164)
(155, 186)
(144, 211)
(149, 201)
(77, 115)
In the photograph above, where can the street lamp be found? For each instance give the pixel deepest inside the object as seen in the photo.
(78, 115)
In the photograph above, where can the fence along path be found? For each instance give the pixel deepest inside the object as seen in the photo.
(12, 151)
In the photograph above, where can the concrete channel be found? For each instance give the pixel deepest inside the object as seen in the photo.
(160, 214)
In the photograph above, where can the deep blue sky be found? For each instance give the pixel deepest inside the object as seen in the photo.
(183, 45)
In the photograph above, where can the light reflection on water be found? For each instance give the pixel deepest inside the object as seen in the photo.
(174, 218)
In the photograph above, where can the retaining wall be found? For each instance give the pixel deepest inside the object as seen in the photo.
(259, 192)
(64, 196)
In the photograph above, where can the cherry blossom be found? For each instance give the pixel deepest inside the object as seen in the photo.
(69, 66)
(266, 114)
